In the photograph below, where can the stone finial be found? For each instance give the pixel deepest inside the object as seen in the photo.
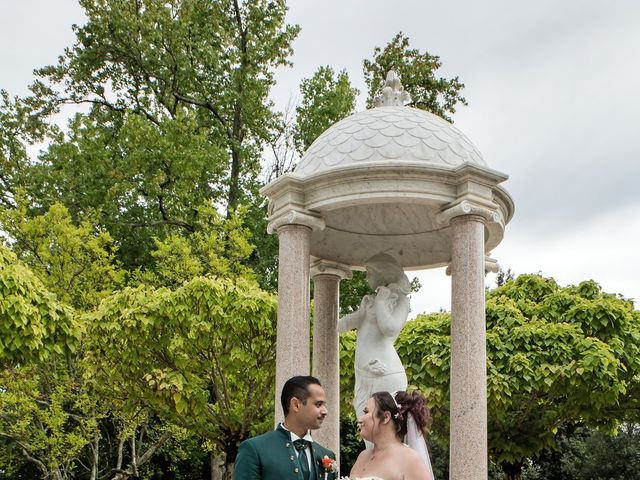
(393, 94)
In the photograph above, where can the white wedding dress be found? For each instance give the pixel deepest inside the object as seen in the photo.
(362, 478)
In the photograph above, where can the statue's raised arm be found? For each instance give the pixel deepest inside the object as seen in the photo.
(392, 309)
(353, 320)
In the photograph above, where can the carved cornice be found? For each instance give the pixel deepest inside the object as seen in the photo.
(294, 217)
(325, 267)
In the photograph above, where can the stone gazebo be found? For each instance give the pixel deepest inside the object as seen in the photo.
(405, 182)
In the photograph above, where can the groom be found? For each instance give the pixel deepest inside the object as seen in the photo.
(289, 452)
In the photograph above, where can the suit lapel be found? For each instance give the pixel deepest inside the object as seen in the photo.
(283, 431)
(315, 471)
(286, 436)
(317, 461)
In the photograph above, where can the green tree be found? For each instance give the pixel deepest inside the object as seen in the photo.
(218, 247)
(179, 112)
(555, 356)
(77, 263)
(157, 59)
(33, 324)
(53, 418)
(42, 419)
(418, 74)
(137, 179)
(20, 126)
(326, 99)
(202, 357)
(46, 417)
(589, 453)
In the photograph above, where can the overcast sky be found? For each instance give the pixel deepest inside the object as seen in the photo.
(554, 102)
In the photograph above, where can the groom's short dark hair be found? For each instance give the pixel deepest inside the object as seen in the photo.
(297, 387)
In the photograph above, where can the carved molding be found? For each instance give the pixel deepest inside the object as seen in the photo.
(490, 265)
(294, 217)
(325, 267)
(466, 207)
(393, 93)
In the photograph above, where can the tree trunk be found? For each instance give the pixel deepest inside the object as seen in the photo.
(96, 456)
(234, 182)
(228, 474)
(218, 469)
(513, 471)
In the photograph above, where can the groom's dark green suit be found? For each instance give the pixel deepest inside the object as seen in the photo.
(272, 456)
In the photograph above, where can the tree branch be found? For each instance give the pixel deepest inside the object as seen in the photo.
(201, 103)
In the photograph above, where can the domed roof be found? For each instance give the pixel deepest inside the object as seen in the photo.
(386, 134)
(389, 179)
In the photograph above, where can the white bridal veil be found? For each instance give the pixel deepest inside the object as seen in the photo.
(416, 441)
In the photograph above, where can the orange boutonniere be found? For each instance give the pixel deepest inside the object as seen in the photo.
(329, 465)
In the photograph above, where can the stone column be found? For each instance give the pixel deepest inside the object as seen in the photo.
(326, 361)
(293, 339)
(468, 435)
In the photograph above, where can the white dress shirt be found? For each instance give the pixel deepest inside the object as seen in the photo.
(308, 449)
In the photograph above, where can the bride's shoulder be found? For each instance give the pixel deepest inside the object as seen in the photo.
(412, 463)
(407, 451)
(365, 454)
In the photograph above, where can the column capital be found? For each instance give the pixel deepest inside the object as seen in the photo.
(320, 266)
(490, 265)
(466, 207)
(295, 217)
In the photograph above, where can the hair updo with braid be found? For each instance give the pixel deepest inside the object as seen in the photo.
(407, 403)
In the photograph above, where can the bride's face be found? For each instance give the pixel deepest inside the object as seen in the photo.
(369, 421)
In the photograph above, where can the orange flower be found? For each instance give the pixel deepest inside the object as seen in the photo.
(327, 462)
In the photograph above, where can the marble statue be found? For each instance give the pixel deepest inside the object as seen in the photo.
(379, 321)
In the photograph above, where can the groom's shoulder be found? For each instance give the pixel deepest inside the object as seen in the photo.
(322, 451)
(264, 439)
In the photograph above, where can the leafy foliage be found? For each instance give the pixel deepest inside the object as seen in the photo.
(555, 356)
(202, 356)
(33, 324)
(44, 415)
(418, 74)
(219, 247)
(351, 443)
(326, 99)
(156, 59)
(179, 112)
(77, 263)
(49, 428)
(587, 453)
(19, 127)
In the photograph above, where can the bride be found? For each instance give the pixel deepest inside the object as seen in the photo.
(386, 419)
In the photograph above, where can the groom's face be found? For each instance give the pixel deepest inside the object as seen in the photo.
(312, 412)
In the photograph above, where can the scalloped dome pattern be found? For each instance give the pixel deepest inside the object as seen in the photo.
(385, 134)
